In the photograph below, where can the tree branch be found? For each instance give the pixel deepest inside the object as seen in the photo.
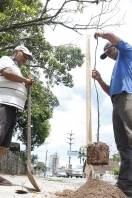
(57, 18)
(45, 8)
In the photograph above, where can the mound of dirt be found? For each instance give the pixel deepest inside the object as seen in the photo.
(93, 189)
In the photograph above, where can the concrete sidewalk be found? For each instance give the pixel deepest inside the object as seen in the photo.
(48, 187)
(19, 181)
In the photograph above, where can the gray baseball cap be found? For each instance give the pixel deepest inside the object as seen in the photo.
(106, 47)
(25, 50)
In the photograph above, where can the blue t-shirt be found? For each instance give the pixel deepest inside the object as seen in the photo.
(121, 79)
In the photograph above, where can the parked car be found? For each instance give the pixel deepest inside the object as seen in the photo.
(61, 174)
(49, 174)
(77, 173)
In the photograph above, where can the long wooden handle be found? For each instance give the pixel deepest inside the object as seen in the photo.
(29, 168)
(29, 128)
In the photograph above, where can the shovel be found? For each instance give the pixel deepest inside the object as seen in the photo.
(29, 173)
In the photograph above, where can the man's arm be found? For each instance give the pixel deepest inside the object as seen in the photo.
(96, 75)
(108, 36)
(10, 75)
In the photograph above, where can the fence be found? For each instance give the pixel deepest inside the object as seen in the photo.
(13, 163)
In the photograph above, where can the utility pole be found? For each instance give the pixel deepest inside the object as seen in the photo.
(70, 138)
(46, 155)
(46, 158)
(55, 160)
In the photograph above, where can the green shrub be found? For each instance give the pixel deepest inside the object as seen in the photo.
(115, 171)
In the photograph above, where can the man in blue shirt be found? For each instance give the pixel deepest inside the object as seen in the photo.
(120, 91)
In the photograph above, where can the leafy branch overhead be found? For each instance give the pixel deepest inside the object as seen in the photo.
(51, 13)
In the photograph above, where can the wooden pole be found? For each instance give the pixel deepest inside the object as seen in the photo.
(88, 94)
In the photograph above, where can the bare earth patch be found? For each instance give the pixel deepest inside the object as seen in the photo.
(93, 189)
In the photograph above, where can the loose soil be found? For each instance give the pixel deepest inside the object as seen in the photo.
(93, 189)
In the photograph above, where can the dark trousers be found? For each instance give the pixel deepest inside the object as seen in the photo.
(7, 123)
(122, 124)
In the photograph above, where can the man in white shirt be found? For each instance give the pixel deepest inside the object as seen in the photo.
(12, 91)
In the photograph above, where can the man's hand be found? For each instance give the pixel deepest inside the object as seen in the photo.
(96, 35)
(29, 81)
(96, 75)
(112, 38)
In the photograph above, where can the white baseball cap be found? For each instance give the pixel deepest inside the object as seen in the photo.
(24, 50)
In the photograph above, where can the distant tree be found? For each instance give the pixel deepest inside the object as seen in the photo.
(116, 171)
(43, 103)
(82, 154)
(116, 157)
(34, 159)
(40, 166)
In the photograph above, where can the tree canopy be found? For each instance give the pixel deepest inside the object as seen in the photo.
(63, 13)
(54, 62)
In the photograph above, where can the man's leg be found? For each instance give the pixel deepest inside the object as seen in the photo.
(2, 123)
(7, 123)
(122, 123)
(125, 175)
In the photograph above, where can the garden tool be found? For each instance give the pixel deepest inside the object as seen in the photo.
(29, 168)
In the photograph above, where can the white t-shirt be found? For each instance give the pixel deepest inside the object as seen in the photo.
(11, 93)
